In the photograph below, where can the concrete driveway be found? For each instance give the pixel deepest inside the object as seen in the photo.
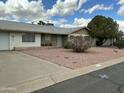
(16, 68)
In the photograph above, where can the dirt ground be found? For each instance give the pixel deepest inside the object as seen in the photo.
(70, 59)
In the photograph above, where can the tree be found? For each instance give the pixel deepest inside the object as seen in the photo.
(120, 35)
(120, 41)
(41, 23)
(103, 28)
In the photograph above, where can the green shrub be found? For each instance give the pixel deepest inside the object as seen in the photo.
(68, 45)
(120, 44)
(80, 44)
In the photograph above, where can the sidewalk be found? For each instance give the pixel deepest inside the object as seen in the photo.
(42, 82)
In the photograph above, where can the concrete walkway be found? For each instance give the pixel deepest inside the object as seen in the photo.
(18, 69)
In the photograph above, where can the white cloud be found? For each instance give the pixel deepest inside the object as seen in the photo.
(81, 2)
(97, 7)
(121, 2)
(58, 22)
(66, 7)
(22, 10)
(34, 10)
(81, 21)
(121, 24)
(121, 9)
(78, 22)
(122, 29)
(18, 10)
(67, 26)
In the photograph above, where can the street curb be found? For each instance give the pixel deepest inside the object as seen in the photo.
(86, 70)
(54, 78)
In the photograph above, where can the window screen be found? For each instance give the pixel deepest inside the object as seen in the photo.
(28, 37)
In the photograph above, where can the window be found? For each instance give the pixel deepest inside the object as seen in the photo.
(47, 37)
(48, 41)
(28, 37)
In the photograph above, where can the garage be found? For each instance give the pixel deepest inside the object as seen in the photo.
(4, 41)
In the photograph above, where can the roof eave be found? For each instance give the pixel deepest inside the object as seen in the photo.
(20, 31)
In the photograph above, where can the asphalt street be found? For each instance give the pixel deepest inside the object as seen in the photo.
(107, 80)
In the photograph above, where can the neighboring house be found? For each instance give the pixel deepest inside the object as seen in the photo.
(16, 35)
(108, 42)
(123, 37)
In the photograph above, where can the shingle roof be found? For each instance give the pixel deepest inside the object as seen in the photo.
(24, 27)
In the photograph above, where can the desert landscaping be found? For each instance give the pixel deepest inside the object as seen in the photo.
(73, 60)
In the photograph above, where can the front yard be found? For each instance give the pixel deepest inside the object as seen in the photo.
(70, 59)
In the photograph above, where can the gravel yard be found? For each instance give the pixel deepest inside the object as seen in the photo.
(70, 59)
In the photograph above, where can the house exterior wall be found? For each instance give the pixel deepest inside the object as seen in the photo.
(108, 42)
(16, 41)
(59, 41)
(81, 31)
(93, 42)
(42, 39)
(64, 40)
(54, 40)
(122, 37)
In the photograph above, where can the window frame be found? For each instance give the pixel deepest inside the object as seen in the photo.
(47, 37)
(28, 37)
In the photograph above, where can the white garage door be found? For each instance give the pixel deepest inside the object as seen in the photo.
(4, 41)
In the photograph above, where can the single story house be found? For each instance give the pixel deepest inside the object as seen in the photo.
(16, 35)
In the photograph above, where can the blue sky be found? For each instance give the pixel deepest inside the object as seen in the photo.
(64, 13)
(90, 3)
(111, 13)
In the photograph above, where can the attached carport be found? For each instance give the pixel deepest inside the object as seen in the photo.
(4, 41)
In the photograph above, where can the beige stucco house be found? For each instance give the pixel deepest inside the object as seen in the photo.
(16, 35)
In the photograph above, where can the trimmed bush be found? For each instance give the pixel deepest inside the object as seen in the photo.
(120, 44)
(68, 45)
(81, 43)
